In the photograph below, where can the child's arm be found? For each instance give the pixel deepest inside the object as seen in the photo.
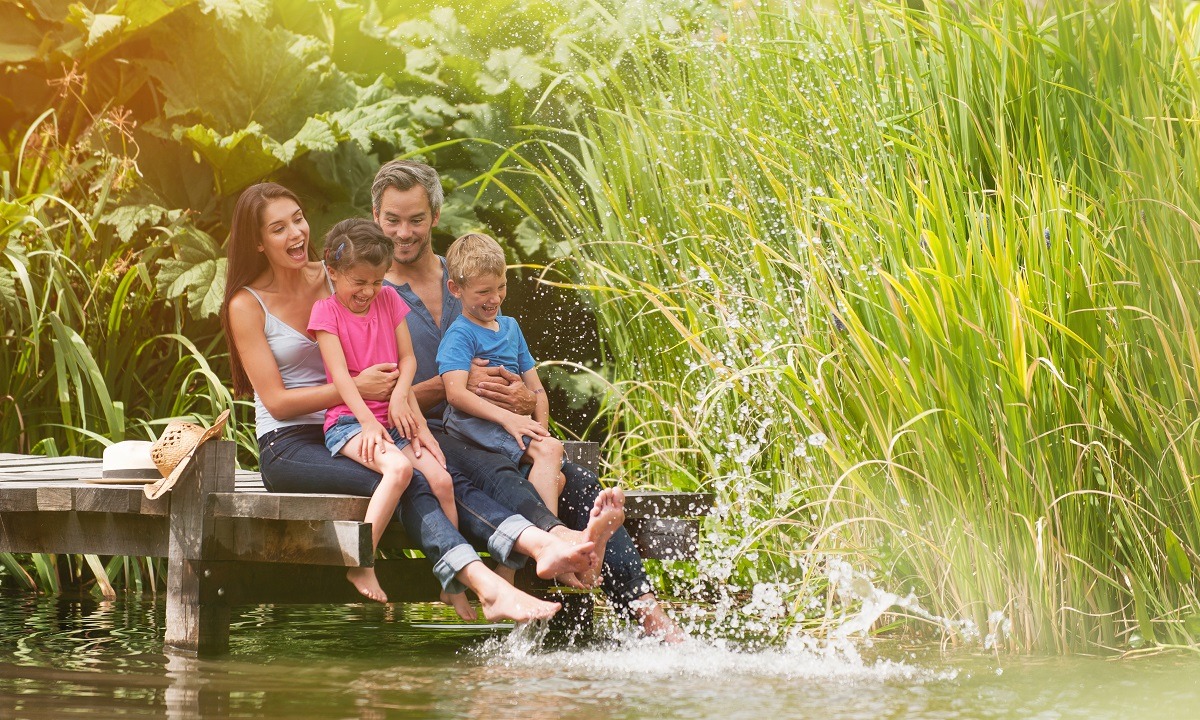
(541, 411)
(460, 397)
(335, 365)
(400, 408)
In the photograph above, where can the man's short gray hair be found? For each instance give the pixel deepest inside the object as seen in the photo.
(405, 175)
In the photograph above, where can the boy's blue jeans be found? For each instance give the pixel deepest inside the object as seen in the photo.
(295, 459)
(623, 573)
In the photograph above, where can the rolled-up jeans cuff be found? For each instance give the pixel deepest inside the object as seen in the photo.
(455, 559)
(501, 542)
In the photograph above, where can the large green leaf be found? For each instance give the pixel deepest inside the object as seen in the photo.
(239, 159)
(19, 36)
(127, 219)
(262, 76)
(197, 271)
(1177, 560)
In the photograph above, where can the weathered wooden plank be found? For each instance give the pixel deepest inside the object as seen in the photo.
(650, 504)
(83, 533)
(9, 460)
(586, 454)
(119, 499)
(18, 499)
(195, 626)
(252, 583)
(51, 498)
(665, 538)
(75, 475)
(343, 543)
(288, 506)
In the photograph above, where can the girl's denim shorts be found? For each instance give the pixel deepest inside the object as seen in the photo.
(346, 427)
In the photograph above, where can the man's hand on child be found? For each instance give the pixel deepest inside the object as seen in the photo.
(377, 381)
(500, 387)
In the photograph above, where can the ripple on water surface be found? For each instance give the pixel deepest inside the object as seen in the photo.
(63, 658)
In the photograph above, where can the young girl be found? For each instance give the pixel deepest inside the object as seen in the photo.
(360, 325)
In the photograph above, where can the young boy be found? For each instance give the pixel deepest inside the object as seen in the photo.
(476, 266)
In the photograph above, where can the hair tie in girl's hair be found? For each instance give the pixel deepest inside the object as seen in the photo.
(337, 255)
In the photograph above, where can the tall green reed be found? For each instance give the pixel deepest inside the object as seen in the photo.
(914, 285)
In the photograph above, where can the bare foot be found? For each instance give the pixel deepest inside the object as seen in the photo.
(607, 515)
(505, 602)
(655, 622)
(571, 580)
(560, 557)
(365, 582)
(461, 605)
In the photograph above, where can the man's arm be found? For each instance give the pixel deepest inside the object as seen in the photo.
(500, 387)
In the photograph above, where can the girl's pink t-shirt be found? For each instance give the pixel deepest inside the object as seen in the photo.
(367, 340)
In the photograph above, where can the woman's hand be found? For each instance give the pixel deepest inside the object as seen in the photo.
(377, 381)
(375, 439)
(500, 387)
(423, 441)
(520, 425)
(401, 415)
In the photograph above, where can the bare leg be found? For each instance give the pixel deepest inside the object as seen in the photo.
(439, 481)
(396, 472)
(502, 601)
(545, 477)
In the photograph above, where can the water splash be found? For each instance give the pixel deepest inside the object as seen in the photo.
(627, 656)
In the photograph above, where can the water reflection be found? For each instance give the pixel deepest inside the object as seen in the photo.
(60, 658)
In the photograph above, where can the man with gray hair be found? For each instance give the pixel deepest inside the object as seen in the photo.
(406, 202)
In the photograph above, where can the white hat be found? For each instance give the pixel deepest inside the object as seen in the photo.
(173, 450)
(128, 462)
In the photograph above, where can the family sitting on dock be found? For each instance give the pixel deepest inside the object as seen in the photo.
(353, 362)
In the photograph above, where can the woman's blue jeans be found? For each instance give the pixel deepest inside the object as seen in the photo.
(624, 575)
(294, 459)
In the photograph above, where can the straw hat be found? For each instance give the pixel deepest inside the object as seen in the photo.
(173, 450)
(127, 463)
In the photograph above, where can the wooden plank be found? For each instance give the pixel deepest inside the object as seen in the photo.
(665, 538)
(648, 504)
(83, 533)
(193, 626)
(51, 498)
(586, 454)
(288, 506)
(342, 543)
(18, 499)
(119, 499)
(76, 475)
(8, 460)
(253, 583)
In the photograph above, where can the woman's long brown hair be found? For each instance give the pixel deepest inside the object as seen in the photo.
(245, 262)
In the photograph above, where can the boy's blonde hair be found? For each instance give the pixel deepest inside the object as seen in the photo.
(474, 255)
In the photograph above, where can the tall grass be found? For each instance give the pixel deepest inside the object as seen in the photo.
(916, 284)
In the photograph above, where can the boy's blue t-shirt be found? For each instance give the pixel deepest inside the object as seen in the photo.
(465, 340)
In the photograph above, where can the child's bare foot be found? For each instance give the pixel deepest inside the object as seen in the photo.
(365, 582)
(508, 603)
(560, 557)
(607, 515)
(655, 622)
(461, 605)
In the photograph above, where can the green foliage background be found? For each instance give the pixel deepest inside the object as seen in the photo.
(130, 126)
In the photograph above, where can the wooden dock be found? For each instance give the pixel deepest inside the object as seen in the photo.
(230, 542)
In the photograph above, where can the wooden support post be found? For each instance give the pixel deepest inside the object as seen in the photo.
(195, 627)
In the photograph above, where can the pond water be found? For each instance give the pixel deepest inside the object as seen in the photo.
(62, 658)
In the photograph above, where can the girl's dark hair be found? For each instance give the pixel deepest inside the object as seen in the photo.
(245, 262)
(354, 241)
